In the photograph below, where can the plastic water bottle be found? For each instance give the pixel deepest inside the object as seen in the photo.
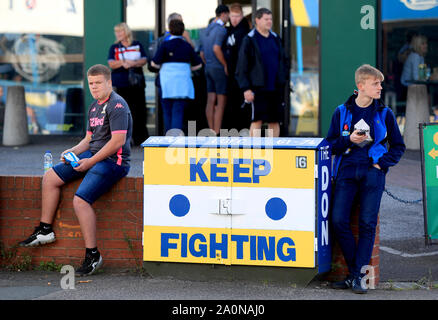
(48, 161)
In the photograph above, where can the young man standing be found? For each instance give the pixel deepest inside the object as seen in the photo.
(104, 159)
(262, 74)
(216, 70)
(366, 141)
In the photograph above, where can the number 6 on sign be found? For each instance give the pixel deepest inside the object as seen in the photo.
(301, 162)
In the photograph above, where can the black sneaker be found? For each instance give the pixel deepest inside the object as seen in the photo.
(89, 265)
(40, 236)
(344, 284)
(358, 287)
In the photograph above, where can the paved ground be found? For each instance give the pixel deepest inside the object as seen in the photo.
(43, 285)
(409, 269)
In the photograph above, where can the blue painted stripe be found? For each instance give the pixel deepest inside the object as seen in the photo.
(299, 43)
(312, 8)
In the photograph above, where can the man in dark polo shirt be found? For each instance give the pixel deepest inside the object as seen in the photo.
(261, 73)
(103, 160)
(216, 70)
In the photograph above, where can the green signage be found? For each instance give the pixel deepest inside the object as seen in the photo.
(429, 168)
(344, 47)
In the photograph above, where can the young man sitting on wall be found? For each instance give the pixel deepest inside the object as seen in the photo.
(103, 160)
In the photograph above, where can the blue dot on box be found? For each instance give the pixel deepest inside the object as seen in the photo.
(179, 205)
(276, 208)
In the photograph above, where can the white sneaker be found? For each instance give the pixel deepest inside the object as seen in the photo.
(38, 237)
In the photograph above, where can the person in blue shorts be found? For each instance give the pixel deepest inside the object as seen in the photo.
(216, 69)
(104, 155)
(366, 141)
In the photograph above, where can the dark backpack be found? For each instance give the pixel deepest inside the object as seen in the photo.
(152, 50)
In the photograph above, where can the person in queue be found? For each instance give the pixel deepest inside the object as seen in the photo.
(126, 58)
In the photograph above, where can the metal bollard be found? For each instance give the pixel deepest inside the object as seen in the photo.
(15, 129)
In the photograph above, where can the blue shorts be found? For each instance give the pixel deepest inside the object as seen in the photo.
(97, 180)
(216, 80)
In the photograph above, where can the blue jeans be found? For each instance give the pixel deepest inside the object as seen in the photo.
(97, 180)
(366, 184)
(173, 113)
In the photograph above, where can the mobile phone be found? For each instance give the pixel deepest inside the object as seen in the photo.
(361, 133)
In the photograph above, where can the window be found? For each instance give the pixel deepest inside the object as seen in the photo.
(196, 15)
(41, 48)
(304, 77)
(140, 17)
(402, 23)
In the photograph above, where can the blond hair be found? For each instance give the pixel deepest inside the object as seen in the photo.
(366, 71)
(236, 7)
(417, 42)
(123, 26)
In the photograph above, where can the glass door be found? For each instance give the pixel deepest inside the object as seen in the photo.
(45, 56)
(304, 74)
(141, 18)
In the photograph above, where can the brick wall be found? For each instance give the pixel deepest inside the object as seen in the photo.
(339, 267)
(119, 222)
(119, 225)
